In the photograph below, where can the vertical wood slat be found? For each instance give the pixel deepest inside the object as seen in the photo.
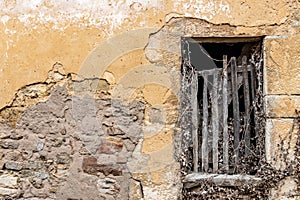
(194, 103)
(236, 112)
(247, 105)
(225, 115)
(253, 94)
(204, 127)
(215, 122)
(252, 82)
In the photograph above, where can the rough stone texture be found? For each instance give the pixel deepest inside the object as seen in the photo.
(282, 106)
(136, 190)
(9, 186)
(68, 137)
(281, 139)
(282, 65)
(286, 189)
(8, 181)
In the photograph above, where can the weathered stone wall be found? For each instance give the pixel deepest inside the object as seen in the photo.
(282, 107)
(90, 94)
(70, 147)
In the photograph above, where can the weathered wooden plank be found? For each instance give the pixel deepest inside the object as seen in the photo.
(209, 72)
(236, 111)
(247, 106)
(253, 83)
(219, 70)
(225, 115)
(204, 128)
(194, 103)
(215, 123)
(223, 39)
(253, 95)
(240, 68)
(195, 179)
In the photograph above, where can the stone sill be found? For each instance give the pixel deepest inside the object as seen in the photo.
(195, 179)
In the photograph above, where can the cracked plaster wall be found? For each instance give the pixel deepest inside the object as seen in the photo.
(56, 140)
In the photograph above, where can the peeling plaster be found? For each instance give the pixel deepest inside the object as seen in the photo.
(62, 13)
(200, 9)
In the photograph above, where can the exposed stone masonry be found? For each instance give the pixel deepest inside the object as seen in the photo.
(70, 147)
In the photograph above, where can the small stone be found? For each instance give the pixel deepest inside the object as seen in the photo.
(14, 165)
(42, 175)
(12, 155)
(57, 76)
(9, 145)
(110, 145)
(58, 142)
(63, 158)
(31, 165)
(8, 181)
(4, 135)
(8, 192)
(83, 151)
(130, 146)
(112, 131)
(50, 161)
(1, 164)
(26, 173)
(108, 76)
(41, 136)
(135, 190)
(55, 141)
(16, 136)
(108, 186)
(90, 166)
(53, 189)
(26, 154)
(39, 145)
(36, 182)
